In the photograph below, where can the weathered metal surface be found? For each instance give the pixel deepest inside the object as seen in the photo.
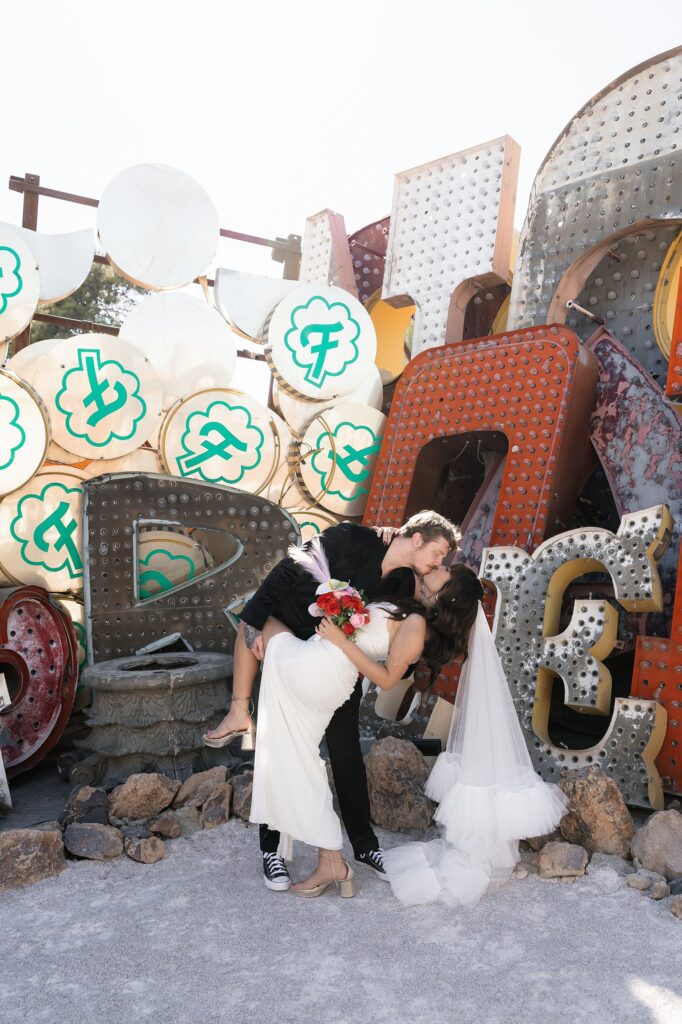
(39, 658)
(533, 651)
(620, 291)
(638, 438)
(657, 673)
(451, 223)
(326, 254)
(368, 252)
(536, 388)
(616, 166)
(119, 621)
(149, 713)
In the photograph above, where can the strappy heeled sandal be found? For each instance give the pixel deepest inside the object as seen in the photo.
(248, 735)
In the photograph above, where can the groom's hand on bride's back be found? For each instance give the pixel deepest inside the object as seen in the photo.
(386, 533)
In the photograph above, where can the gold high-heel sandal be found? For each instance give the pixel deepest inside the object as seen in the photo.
(248, 735)
(344, 886)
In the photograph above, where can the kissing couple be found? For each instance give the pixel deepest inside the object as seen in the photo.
(488, 792)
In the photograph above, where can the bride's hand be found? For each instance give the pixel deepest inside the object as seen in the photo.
(330, 631)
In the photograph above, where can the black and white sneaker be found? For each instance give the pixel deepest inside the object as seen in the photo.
(275, 874)
(374, 859)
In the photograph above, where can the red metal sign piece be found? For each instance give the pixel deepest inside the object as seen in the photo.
(39, 659)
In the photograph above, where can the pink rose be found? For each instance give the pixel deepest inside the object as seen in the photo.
(356, 620)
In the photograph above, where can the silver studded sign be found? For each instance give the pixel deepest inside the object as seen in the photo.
(245, 535)
(534, 650)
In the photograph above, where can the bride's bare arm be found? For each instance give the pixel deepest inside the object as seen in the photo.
(406, 648)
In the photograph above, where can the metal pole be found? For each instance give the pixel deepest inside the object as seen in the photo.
(29, 219)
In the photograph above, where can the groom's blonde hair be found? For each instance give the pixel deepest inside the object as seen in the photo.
(431, 525)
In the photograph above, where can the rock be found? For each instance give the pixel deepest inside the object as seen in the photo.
(658, 844)
(135, 830)
(91, 841)
(597, 817)
(558, 860)
(607, 879)
(242, 785)
(566, 879)
(676, 906)
(676, 887)
(28, 855)
(146, 850)
(520, 872)
(659, 891)
(643, 880)
(47, 826)
(537, 842)
(599, 861)
(142, 796)
(85, 804)
(167, 825)
(396, 773)
(189, 819)
(197, 788)
(216, 810)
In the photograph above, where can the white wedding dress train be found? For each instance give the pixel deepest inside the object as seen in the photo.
(302, 685)
(488, 793)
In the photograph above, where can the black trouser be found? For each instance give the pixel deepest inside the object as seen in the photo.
(350, 778)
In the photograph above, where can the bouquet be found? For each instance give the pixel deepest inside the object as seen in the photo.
(341, 603)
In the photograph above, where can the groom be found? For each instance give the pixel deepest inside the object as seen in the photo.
(359, 556)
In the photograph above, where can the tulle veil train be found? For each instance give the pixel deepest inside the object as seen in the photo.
(488, 794)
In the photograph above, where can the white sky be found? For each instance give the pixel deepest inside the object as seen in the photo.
(282, 108)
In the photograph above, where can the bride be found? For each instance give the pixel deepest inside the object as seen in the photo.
(305, 681)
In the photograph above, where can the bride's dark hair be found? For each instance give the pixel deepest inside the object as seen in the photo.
(449, 619)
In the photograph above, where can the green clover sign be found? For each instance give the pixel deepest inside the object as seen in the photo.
(221, 444)
(45, 526)
(94, 393)
(356, 448)
(322, 339)
(12, 433)
(11, 281)
(154, 581)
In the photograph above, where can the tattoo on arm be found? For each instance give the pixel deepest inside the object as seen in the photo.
(251, 634)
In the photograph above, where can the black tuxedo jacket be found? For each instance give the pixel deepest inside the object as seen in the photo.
(354, 553)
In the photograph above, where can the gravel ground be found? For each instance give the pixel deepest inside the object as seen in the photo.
(197, 937)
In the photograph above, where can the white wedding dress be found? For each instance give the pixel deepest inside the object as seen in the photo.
(302, 685)
(488, 793)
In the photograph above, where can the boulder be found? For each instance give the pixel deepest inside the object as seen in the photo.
(47, 826)
(142, 796)
(396, 773)
(600, 861)
(145, 850)
(85, 804)
(561, 860)
(91, 841)
(28, 855)
(188, 818)
(596, 817)
(644, 880)
(197, 788)
(242, 786)
(657, 845)
(676, 906)
(216, 810)
(167, 825)
(676, 887)
(659, 891)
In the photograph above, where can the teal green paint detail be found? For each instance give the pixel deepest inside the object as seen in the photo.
(354, 463)
(4, 296)
(61, 520)
(313, 526)
(190, 464)
(14, 422)
(155, 576)
(82, 638)
(316, 373)
(104, 398)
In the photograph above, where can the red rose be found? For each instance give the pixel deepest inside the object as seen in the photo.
(347, 602)
(348, 629)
